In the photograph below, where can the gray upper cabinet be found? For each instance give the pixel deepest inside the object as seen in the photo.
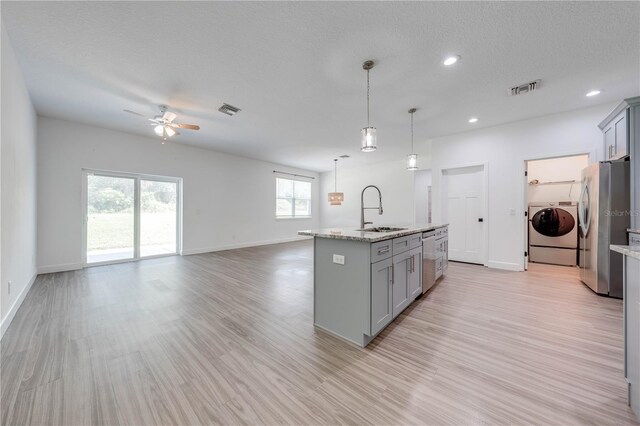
(616, 143)
(400, 284)
(617, 130)
(381, 295)
(621, 139)
(609, 141)
(414, 280)
(634, 146)
(622, 142)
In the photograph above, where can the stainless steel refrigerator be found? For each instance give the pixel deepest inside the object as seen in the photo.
(603, 215)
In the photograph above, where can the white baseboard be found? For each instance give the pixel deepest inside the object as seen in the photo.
(49, 269)
(59, 268)
(16, 305)
(507, 266)
(188, 252)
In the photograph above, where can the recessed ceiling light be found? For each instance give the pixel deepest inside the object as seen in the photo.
(593, 93)
(451, 60)
(473, 120)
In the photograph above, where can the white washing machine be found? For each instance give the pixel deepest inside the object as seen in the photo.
(553, 233)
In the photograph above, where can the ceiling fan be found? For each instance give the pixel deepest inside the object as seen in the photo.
(163, 124)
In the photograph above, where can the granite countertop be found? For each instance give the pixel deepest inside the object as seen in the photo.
(635, 231)
(631, 251)
(368, 237)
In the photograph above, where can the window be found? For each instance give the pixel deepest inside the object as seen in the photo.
(293, 198)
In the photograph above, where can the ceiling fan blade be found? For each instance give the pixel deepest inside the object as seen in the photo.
(134, 113)
(169, 116)
(187, 126)
(155, 121)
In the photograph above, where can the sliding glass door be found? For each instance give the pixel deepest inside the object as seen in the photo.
(158, 217)
(130, 216)
(110, 218)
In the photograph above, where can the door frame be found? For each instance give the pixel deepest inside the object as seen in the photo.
(137, 177)
(485, 199)
(524, 230)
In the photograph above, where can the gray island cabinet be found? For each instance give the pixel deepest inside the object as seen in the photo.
(631, 297)
(363, 280)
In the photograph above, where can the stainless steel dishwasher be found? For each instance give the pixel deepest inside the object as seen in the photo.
(429, 257)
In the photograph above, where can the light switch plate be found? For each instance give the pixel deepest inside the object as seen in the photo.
(338, 258)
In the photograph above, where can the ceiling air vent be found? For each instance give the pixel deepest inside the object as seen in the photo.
(525, 88)
(229, 109)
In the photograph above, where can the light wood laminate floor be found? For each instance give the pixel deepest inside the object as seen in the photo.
(228, 338)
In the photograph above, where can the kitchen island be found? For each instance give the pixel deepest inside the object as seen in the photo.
(364, 279)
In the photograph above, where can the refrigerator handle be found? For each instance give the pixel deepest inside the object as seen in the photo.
(584, 221)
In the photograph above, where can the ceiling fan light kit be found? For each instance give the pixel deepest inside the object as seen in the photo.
(369, 136)
(169, 131)
(163, 124)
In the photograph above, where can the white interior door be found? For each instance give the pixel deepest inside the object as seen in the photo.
(463, 208)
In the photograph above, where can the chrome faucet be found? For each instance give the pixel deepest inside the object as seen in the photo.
(363, 208)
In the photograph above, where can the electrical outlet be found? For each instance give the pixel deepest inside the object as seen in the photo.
(338, 258)
(9, 288)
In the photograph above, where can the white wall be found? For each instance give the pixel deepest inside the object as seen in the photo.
(395, 183)
(18, 199)
(556, 170)
(422, 182)
(228, 201)
(504, 149)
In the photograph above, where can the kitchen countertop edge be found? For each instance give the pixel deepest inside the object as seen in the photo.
(631, 251)
(367, 237)
(635, 231)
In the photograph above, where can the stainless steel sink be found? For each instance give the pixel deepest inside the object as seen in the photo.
(381, 229)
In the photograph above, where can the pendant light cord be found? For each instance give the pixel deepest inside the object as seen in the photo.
(368, 121)
(335, 175)
(412, 133)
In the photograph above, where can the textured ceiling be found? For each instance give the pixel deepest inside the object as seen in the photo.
(294, 68)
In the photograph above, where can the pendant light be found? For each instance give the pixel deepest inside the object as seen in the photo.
(336, 198)
(412, 159)
(368, 133)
